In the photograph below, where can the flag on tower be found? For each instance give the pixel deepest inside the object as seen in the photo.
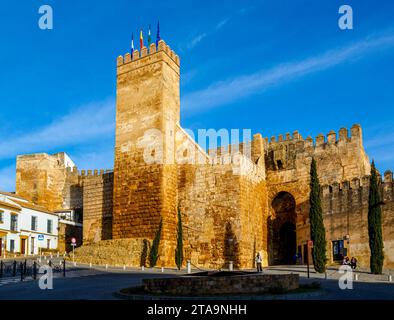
(132, 43)
(158, 34)
(141, 40)
(149, 37)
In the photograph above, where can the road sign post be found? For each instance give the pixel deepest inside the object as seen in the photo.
(73, 244)
(40, 238)
(309, 245)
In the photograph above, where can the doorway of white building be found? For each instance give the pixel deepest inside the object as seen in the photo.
(23, 244)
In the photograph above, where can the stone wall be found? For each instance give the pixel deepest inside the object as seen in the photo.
(115, 252)
(240, 284)
(338, 159)
(345, 209)
(147, 112)
(97, 205)
(50, 181)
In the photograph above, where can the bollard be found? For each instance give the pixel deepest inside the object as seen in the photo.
(50, 263)
(162, 269)
(25, 268)
(90, 265)
(1, 269)
(106, 266)
(14, 269)
(21, 268)
(390, 278)
(355, 277)
(189, 267)
(34, 270)
(142, 268)
(230, 266)
(124, 267)
(51, 256)
(58, 254)
(64, 267)
(75, 264)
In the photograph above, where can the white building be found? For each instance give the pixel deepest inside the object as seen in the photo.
(24, 227)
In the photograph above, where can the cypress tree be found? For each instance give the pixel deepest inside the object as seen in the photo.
(144, 253)
(179, 243)
(375, 224)
(154, 250)
(318, 233)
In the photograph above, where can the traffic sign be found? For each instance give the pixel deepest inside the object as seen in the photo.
(40, 237)
(73, 241)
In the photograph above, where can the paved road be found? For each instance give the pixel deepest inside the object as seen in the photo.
(83, 283)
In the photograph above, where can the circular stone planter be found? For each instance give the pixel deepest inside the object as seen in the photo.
(216, 283)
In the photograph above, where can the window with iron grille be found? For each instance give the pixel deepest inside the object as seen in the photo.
(1, 216)
(14, 222)
(49, 226)
(12, 246)
(34, 223)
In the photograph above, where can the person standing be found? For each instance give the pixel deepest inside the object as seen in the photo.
(259, 261)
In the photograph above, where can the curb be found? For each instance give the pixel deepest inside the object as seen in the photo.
(287, 296)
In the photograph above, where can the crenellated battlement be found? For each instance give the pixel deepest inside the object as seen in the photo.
(95, 172)
(354, 193)
(146, 52)
(91, 174)
(320, 140)
(343, 149)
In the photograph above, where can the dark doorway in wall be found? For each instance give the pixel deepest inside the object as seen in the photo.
(288, 243)
(282, 240)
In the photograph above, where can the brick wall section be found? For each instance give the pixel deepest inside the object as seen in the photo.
(97, 205)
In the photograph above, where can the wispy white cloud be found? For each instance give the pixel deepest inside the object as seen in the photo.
(196, 40)
(222, 23)
(85, 124)
(231, 90)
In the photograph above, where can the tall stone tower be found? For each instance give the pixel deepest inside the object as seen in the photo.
(145, 175)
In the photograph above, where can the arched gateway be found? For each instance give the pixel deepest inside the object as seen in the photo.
(282, 240)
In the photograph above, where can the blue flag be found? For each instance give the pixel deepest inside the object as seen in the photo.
(158, 34)
(132, 43)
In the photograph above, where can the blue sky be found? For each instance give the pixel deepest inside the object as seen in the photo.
(271, 66)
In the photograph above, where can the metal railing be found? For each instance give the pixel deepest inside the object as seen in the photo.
(25, 269)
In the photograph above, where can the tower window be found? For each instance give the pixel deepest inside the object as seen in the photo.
(279, 164)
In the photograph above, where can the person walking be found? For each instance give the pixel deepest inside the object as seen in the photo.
(259, 261)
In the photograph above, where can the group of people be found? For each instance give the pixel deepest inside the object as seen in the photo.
(350, 262)
(298, 257)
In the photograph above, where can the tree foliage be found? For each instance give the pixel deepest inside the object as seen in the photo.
(318, 233)
(375, 224)
(154, 250)
(179, 242)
